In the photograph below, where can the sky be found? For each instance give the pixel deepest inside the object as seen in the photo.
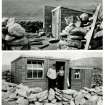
(9, 56)
(34, 8)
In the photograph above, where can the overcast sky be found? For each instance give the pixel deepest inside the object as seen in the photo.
(34, 8)
(7, 57)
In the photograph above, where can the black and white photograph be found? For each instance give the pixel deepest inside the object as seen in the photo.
(52, 25)
(52, 78)
(52, 52)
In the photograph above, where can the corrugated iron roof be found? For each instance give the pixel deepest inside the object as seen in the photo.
(40, 57)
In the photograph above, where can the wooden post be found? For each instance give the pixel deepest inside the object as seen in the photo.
(90, 33)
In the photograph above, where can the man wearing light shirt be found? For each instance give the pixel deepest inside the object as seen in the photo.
(51, 74)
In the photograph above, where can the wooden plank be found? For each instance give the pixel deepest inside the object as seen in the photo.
(90, 33)
(56, 21)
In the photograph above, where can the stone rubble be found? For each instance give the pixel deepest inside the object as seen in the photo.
(23, 95)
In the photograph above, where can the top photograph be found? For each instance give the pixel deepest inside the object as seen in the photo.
(52, 25)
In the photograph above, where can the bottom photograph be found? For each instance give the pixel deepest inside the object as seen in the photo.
(52, 78)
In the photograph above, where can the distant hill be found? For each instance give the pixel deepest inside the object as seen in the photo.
(93, 61)
(34, 8)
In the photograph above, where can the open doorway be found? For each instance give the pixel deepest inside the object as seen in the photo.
(60, 69)
(69, 78)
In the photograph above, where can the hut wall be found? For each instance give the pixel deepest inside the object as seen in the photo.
(35, 82)
(76, 83)
(84, 81)
(47, 23)
(19, 70)
(16, 69)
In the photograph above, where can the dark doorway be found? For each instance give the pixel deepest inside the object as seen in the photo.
(60, 78)
(69, 78)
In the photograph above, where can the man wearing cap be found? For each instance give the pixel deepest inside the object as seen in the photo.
(51, 74)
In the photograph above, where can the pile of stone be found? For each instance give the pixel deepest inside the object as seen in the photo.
(13, 34)
(77, 29)
(75, 32)
(85, 96)
(75, 38)
(13, 94)
(15, 37)
(21, 94)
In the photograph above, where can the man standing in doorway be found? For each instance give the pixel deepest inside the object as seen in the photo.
(51, 74)
(60, 78)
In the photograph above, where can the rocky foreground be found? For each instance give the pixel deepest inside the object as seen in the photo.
(13, 94)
